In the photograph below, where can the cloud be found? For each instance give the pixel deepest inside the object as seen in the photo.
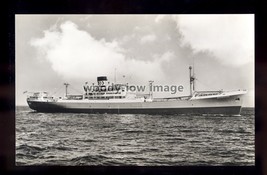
(76, 54)
(87, 47)
(159, 18)
(148, 38)
(166, 57)
(229, 37)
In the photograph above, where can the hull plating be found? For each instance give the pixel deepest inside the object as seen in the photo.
(227, 106)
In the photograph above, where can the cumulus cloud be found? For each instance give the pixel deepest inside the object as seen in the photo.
(229, 37)
(148, 38)
(159, 18)
(74, 53)
(94, 45)
(166, 57)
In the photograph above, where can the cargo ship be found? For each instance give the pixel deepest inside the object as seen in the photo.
(118, 99)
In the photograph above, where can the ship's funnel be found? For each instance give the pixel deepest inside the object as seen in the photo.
(102, 78)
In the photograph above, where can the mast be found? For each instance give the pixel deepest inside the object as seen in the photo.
(66, 84)
(150, 89)
(192, 81)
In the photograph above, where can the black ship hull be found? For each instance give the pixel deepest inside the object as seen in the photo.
(54, 108)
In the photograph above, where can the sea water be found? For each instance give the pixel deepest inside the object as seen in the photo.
(134, 139)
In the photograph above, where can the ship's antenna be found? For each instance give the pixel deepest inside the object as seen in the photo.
(194, 74)
(66, 84)
(192, 79)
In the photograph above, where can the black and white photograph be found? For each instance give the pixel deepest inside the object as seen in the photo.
(135, 90)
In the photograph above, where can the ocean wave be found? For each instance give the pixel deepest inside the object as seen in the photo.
(88, 159)
(30, 148)
(149, 140)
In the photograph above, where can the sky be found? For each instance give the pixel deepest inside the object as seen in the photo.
(54, 49)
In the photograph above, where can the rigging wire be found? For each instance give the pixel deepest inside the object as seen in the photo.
(76, 90)
(57, 90)
(210, 87)
(61, 89)
(206, 86)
